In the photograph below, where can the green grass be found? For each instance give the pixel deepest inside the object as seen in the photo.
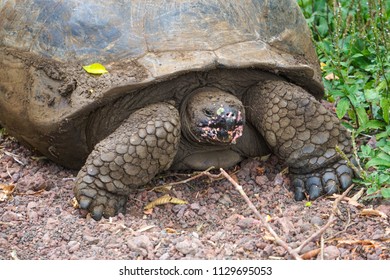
(352, 42)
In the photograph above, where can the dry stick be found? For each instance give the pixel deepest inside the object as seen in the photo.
(257, 214)
(331, 219)
(294, 252)
(200, 174)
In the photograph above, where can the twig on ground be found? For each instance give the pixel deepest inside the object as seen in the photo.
(331, 219)
(258, 215)
(322, 242)
(185, 181)
(293, 252)
(15, 157)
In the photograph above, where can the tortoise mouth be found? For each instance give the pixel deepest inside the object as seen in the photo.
(226, 126)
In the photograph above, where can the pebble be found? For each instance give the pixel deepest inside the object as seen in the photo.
(187, 247)
(315, 220)
(225, 200)
(330, 253)
(165, 256)
(32, 205)
(195, 206)
(91, 239)
(10, 216)
(51, 223)
(217, 236)
(73, 246)
(140, 244)
(246, 223)
(46, 238)
(32, 215)
(261, 180)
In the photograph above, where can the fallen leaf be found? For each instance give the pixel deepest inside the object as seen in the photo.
(149, 211)
(373, 212)
(359, 241)
(95, 68)
(170, 230)
(358, 195)
(6, 192)
(322, 65)
(163, 189)
(260, 170)
(331, 76)
(165, 199)
(74, 203)
(311, 254)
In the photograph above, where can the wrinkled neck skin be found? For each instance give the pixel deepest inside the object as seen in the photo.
(212, 117)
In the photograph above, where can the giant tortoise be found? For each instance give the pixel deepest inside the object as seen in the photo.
(190, 84)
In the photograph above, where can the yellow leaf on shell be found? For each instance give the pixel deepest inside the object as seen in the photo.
(95, 68)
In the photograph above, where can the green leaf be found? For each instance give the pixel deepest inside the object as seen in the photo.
(377, 161)
(384, 156)
(362, 116)
(385, 192)
(371, 94)
(371, 190)
(342, 107)
(385, 105)
(95, 68)
(371, 124)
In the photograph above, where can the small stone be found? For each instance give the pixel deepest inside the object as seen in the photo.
(195, 206)
(225, 200)
(330, 253)
(262, 180)
(141, 245)
(31, 205)
(219, 235)
(187, 247)
(73, 246)
(9, 216)
(46, 238)
(315, 220)
(164, 256)
(246, 223)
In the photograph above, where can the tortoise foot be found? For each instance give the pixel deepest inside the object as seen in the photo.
(324, 182)
(99, 202)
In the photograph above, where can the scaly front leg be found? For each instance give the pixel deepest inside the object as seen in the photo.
(142, 146)
(302, 132)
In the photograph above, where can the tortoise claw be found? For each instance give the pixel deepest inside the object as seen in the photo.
(323, 182)
(97, 212)
(299, 187)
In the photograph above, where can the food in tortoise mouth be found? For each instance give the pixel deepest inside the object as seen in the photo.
(191, 84)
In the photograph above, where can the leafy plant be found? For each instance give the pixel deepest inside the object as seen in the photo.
(352, 42)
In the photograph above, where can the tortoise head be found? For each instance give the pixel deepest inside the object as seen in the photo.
(213, 116)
